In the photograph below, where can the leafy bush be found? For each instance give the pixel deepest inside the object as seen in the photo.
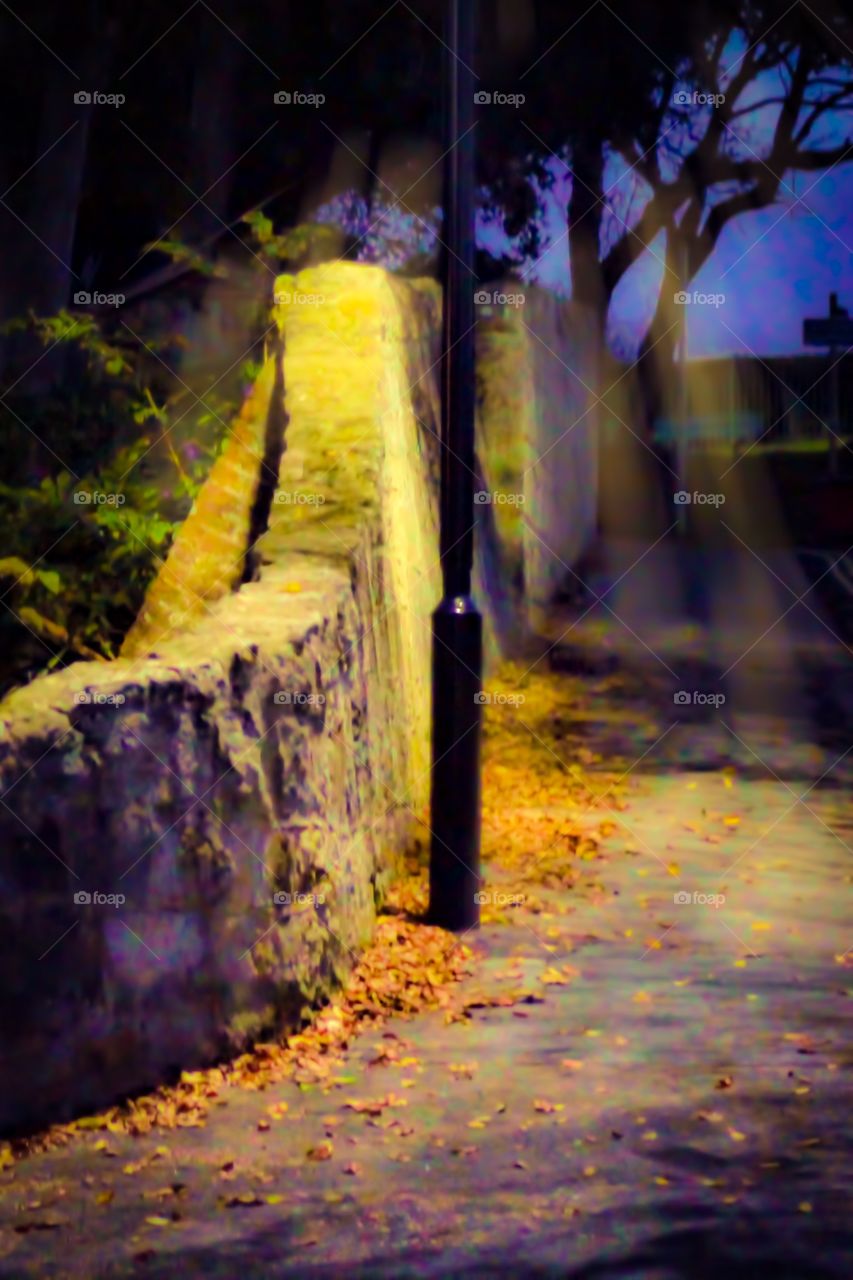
(83, 542)
(101, 471)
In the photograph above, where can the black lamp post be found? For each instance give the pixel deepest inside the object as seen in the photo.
(457, 624)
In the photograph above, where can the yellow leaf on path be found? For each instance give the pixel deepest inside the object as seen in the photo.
(804, 1206)
(759, 926)
(553, 977)
(732, 820)
(673, 868)
(736, 1135)
(642, 997)
(245, 1200)
(155, 1221)
(323, 1151)
(275, 1198)
(662, 1182)
(292, 588)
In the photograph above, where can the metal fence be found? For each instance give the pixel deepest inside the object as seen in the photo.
(779, 399)
(791, 395)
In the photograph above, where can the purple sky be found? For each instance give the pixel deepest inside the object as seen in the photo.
(775, 267)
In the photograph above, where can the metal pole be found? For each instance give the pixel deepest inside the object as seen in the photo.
(683, 398)
(457, 626)
(834, 413)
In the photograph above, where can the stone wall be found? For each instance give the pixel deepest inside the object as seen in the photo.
(194, 837)
(538, 376)
(270, 740)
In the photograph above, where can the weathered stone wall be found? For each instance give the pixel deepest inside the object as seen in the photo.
(229, 796)
(538, 379)
(273, 740)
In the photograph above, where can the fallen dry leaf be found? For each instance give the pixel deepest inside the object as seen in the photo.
(323, 1151)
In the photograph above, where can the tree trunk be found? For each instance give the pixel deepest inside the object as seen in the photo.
(211, 135)
(44, 282)
(584, 219)
(41, 279)
(656, 371)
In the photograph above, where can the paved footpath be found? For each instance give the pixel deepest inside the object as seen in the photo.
(670, 1100)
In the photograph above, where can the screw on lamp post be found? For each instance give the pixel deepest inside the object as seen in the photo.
(457, 626)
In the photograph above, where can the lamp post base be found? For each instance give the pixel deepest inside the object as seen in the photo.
(457, 713)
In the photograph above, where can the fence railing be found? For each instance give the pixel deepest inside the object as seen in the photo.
(777, 400)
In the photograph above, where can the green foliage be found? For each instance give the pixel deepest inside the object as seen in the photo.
(310, 242)
(105, 357)
(129, 450)
(83, 545)
(187, 256)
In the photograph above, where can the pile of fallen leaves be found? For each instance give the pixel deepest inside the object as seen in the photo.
(547, 798)
(408, 968)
